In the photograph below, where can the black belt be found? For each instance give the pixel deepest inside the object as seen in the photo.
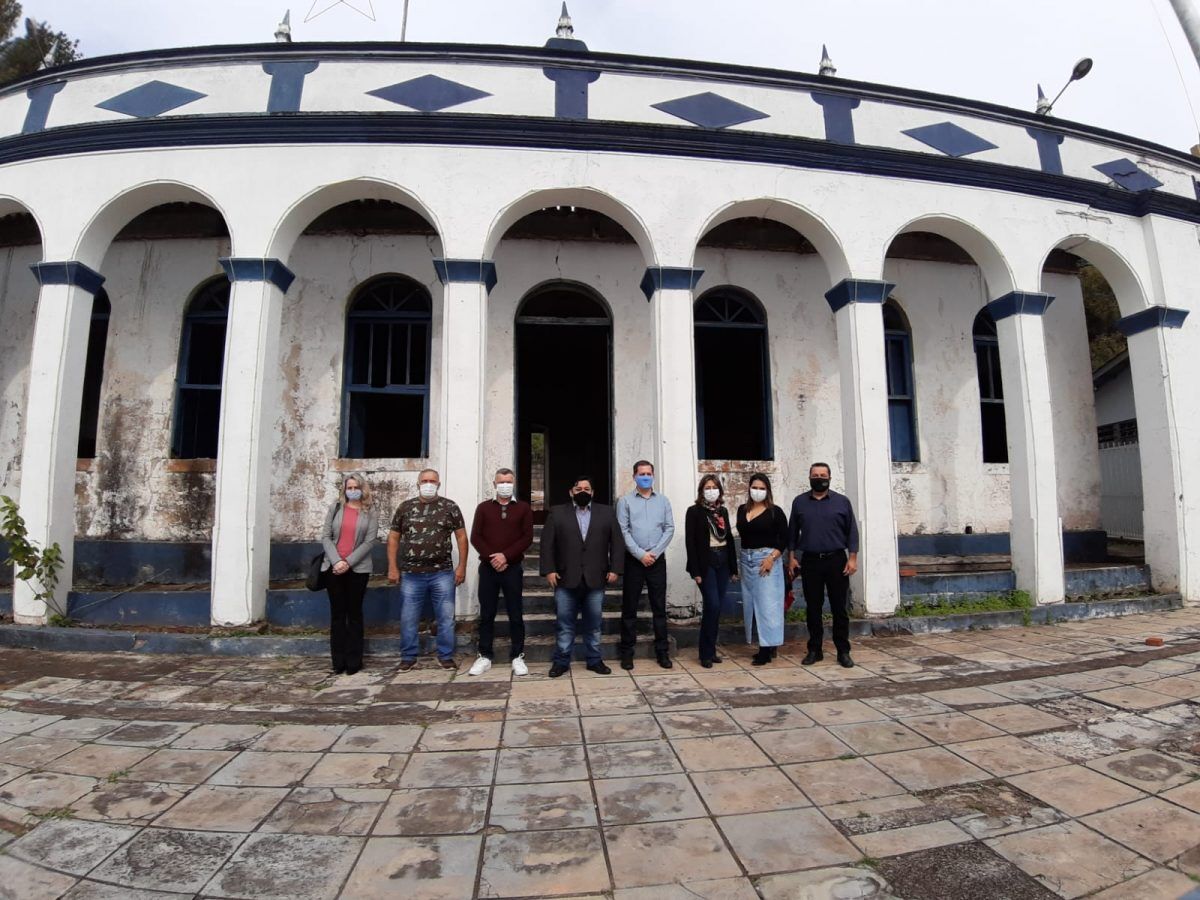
(808, 554)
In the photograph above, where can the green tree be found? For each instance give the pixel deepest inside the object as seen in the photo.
(23, 54)
(1101, 313)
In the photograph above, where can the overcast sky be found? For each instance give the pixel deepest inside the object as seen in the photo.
(994, 50)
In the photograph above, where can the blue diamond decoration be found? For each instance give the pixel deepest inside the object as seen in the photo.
(709, 110)
(951, 139)
(1126, 173)
(429, 93)
(151, 99)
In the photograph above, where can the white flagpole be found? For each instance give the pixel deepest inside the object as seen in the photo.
(404, 23)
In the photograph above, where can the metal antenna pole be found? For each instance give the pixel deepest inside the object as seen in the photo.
(1189, 20)
(404, 24)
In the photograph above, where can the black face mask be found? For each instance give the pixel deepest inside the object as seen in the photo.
(820, 485)
(582, 499)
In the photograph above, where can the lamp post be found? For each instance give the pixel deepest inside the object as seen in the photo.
(1081, 69)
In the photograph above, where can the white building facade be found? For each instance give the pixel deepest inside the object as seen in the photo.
(317, 259)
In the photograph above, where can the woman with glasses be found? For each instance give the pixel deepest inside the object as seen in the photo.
(348, 536)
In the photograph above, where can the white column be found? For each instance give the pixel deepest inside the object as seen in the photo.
(670, 293)
(241, 542)
(862, 365)
(56, 364)
(1036, 529)
(1162, 356)
(467, 283)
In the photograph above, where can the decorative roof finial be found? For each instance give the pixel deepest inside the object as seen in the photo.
(283, 32)
(565, 28)
(827, 68)
(48, 60)
(1043, 104)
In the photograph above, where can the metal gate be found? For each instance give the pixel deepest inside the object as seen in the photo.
(1121, 482)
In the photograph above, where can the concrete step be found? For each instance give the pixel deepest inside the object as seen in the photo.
(540, 649)
(1085, 581)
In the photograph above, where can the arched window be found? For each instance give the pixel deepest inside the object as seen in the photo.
(386, 399)
(198, 377)
(733, 380)
(991, 389)
(902, 412)
(93, 375)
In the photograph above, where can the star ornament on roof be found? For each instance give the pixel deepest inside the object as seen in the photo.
(327, 5)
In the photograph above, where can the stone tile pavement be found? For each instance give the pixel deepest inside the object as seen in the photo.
(1061, 760)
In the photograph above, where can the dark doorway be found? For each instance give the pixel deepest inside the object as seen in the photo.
(564, 395)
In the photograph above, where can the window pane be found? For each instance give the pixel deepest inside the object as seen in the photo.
(733, 397)
(418, 370)
(379, 355)
(93, 375)
(400, 338)
(205, 352)
(360, 354)
(198, 424)
(903, 432)
(997, 381)
(386, 425)
(995, 435)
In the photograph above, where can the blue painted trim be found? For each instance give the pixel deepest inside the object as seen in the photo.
(1020, 303)
(710, 110)
(571, 91)
(1152, 317)
(41, 98)
(857, 290)
(1078, 546)
(248, 269)
(949, 138)
(957, 583)
(287, 83)
(529, 132)
(839, 116)
(429, 93)
(1127, 174)
(1049, 156)
(468, 271)
(669, 278)
(1106, 580)
(71, 272)
(151, 99)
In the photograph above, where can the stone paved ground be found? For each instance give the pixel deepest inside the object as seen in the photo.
(1016, 763)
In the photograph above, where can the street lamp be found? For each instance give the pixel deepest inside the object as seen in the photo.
(1081, 69)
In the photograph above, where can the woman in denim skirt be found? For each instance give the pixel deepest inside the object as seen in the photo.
(763, 534)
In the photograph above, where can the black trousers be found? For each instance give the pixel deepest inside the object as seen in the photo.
(654, 580)
(491, 584)
(817, 576)
(346, 618)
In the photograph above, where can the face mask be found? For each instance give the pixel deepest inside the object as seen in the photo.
(353, 494)
(758, 495)
(504, 491)
(712, 495)
(428, 490)
(582, 499)
(819, 485)
(643, 481)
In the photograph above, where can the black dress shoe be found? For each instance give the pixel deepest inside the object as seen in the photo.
(353, 670)
(627, 663)
(707, 663)
(600, 669)
(556, 670)
(845, 661)
(338, 670)
(812, 656)
(718, 659)
(665, 661)
(762, 657)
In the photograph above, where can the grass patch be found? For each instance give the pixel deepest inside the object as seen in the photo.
(61, 812)
(990, 603)
(114, 777)
(58, 620)
(870, 862)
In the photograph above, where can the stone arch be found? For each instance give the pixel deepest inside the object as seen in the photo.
(587, 198)
(117, 212)
(810, 225)
(304, 210)
(1117, 271)
(997, 272)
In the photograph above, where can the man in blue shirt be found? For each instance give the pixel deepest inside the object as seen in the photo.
(647, 527)
(824, 549)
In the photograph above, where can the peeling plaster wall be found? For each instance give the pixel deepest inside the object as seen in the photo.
(18, 303)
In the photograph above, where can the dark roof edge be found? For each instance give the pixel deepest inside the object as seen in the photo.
(609, 62)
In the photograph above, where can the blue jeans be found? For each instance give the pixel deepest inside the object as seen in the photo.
(415, 589)
(713, 586)
(763, 596)
(570, 603)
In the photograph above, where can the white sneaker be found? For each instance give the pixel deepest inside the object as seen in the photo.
(519, 667)
(480, 666)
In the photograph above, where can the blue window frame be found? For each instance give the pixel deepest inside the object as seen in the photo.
(902, 411)
(385, 408)
(991, 389)
(733, 376)
(198, 376)
(93, 375)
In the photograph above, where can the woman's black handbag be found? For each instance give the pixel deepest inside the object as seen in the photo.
(316, 578)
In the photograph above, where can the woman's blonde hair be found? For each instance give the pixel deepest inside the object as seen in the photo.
(362, 483)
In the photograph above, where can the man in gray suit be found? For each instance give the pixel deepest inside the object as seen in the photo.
(582, 551)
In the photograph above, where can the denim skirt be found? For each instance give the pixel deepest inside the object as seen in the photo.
(762, 597)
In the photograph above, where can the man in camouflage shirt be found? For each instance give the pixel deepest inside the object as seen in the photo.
(419, 548)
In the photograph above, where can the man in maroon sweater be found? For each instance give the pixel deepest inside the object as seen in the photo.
(501, 531)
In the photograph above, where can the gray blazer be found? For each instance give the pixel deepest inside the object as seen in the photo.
(366, 532)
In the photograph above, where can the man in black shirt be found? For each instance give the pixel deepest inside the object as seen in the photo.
(823, 547)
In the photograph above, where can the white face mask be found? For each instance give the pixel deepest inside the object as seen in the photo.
(712, 495)
(504, 490)
(758, 495)
(428, 489)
